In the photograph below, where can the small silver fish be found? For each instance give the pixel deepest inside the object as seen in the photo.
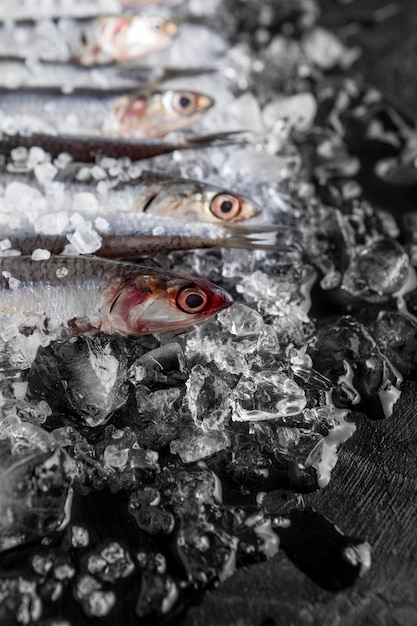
(157, 193)
(125, 37)
(92, 112)
(93, 41)
(129, 235)
(63, 296)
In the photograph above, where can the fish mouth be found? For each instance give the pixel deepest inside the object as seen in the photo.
(204, 103)
(249, 209)
(169, 28)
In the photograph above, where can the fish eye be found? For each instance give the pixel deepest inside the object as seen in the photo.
(184, 102)
(191, 300)
(225, 206)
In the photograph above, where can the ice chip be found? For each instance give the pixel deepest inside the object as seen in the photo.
(207, 398)
(45, 172)
(199, 445)
(377, 272)
(85, 239)
(166, 363)
(298, 110)
(326, 50)
(40, 254)
(241, 320)
(267, 395)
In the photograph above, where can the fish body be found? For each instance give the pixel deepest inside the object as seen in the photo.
(34, 10)
(128, 235)
(109, 113)
(89, 42)
(157, 193)
(88, 150)
(64, 296)
(16, 72)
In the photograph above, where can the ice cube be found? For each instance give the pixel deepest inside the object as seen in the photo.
(36, 477)
(377, 272)
(45, 172)
(267, 395)
(89, 371)
(326, 50)
(241, 320)
(166, 363)
(197, 445)
(80, 537)
(298, 110)
(207, 398)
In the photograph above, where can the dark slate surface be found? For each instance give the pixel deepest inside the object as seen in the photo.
(372, 495)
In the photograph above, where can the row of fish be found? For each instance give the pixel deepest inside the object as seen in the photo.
(154, 213)
(245, 400)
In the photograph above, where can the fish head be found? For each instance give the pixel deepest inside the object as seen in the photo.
(159, 113)
(194, 201)
(158, 301)
(122, 38)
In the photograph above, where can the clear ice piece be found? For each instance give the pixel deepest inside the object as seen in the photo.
(267, 395)
(90, 373)
(207, 398)
(241, 320)
(198, 445)
(35, 485)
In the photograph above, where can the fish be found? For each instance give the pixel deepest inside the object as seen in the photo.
(24, 11)
(158, 193)
(111, 113)
(131, 236)
(16, 72)
(125, 37)
(88, 150)
(65, 296)
(89, 42)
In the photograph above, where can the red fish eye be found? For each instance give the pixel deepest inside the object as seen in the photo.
(225, 206)
(191, 300)
(184, 103)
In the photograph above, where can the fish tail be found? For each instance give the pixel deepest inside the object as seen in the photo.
(263, 239)
(221, 138)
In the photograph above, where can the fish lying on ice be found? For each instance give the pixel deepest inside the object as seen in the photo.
(92, 112)
(88, 150)
(157, 193)
(17, 72)
(34, 10)
(97, 41)
(130, 235)
(63, 296)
